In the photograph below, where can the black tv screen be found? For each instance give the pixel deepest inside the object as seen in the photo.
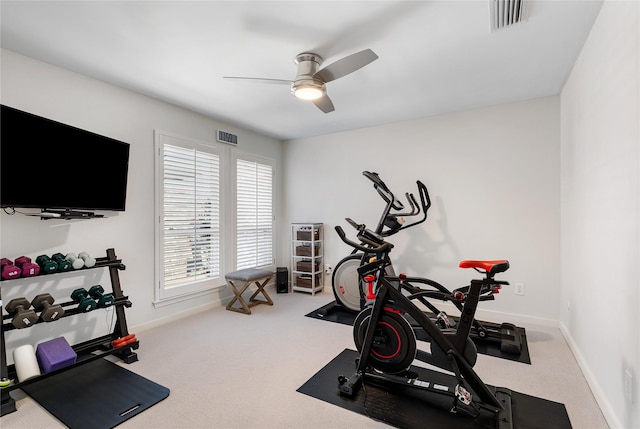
(47, 164)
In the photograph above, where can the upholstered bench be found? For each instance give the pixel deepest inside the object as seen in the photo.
(239, 281)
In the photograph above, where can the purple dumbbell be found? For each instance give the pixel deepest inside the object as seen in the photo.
(28, 268)
(9, 271)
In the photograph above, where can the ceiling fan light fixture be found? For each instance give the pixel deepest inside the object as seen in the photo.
(308, 92)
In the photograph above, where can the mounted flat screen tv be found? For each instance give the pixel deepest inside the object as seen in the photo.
(45, 164)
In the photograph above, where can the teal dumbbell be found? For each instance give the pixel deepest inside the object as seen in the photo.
(63, 264)
(46, 264)
(85, 303)
(104, 300)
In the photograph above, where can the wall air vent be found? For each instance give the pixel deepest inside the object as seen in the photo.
(504, 13)
(225, 137)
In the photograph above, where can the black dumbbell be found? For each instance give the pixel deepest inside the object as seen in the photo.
(49, 312)
(23, 317)
(81, 296)
(104, 300)
(63, 264)
(46, 264)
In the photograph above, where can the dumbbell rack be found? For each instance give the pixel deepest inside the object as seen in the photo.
(87, 351)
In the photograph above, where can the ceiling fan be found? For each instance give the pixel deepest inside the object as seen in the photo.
(309, 83)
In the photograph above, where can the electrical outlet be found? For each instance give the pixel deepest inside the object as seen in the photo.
(628, 386)
(519, 288)
(328, 269)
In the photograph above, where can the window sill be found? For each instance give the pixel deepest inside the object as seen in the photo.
(164, 302)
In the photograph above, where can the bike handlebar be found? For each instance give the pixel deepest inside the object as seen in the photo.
(375, 247)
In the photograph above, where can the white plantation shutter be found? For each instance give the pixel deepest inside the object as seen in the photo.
(190, 215)
(254, 214)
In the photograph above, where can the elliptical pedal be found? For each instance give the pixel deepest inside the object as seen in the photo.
(510, 341)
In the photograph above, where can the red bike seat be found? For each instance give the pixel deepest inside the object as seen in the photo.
(491, 267)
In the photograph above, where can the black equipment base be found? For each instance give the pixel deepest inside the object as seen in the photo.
(96, 395)
(408, 408)
(333, 312)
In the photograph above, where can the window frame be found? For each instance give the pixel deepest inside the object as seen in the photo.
(198, 287)
(228, 216)
(239, 155)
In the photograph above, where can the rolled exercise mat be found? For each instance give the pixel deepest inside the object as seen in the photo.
(24, 358)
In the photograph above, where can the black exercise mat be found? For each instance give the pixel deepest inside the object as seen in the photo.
(96, 395)
(409, 408)
(333, 312)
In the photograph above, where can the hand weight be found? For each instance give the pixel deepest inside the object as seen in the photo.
(88, 260)
(27, 267)
(49, 311)
(23, 317)
(63, 264)
(85, 303)
(9, 271)
(104, 300)
(76, 262)
(46, 264)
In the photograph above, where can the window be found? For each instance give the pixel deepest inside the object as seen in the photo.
(254, 212)
(203, 190)
(189, 221)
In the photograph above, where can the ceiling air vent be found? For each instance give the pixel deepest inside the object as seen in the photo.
(225, 137)
(504, 13)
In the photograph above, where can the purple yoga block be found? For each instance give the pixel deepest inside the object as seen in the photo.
(55, 354)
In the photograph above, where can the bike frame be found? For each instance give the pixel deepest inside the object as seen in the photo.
(389, 299)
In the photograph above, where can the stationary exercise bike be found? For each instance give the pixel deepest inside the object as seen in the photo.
(387, 344)
(349, 289)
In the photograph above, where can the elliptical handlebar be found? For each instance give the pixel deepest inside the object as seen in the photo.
(383, 190)
(415, 210)
(425, 204)
(393, 221)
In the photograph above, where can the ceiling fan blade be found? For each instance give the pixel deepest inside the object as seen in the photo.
(324, 103)
(260, 79)
(346, 65)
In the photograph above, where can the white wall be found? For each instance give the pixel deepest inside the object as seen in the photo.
(600, 209)
(493, 176)
(70, 98)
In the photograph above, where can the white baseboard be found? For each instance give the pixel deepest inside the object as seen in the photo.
(499, 317)
(216, 301)
(177, 316)
(598, 394)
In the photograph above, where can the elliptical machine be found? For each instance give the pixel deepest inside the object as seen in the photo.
(387, 346)
(350, 290)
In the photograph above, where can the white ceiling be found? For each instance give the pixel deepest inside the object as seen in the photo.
(435, 57)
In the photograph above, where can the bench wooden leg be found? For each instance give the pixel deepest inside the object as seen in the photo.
(253, 301)
(238, 297)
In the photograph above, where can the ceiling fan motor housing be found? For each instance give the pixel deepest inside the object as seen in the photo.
(308, 65)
